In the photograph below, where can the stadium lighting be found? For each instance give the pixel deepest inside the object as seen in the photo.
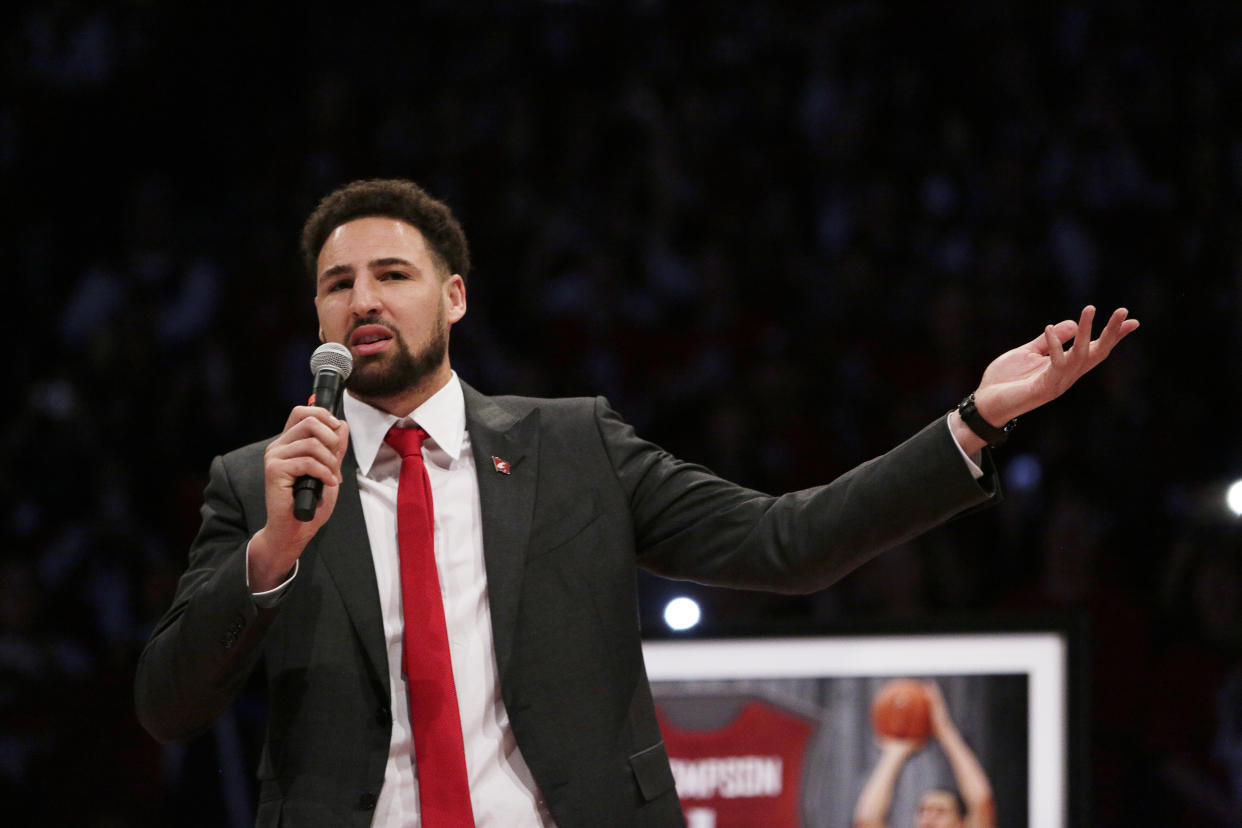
(1233, 497)
(682, 613)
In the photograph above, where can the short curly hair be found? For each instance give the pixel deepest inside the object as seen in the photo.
(390, 198)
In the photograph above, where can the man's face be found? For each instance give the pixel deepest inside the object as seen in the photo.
(380, 293)
(937, 809)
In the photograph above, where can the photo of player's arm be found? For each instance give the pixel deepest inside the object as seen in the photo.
(970, 806)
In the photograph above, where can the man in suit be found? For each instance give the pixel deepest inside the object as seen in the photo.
(542, 511)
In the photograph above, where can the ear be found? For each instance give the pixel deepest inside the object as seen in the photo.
(455, 294)
(321, 339)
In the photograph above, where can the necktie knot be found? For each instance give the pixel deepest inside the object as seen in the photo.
(406, 441)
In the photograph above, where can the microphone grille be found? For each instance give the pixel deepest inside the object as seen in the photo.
(333, 356)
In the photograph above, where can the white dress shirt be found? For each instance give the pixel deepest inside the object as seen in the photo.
(502, 790)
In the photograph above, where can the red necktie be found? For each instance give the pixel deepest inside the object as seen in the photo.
(443, 790)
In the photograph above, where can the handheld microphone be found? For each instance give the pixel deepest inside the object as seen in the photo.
(331, 364)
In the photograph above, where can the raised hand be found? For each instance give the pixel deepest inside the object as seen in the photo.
(972, 780)
(904, 748)
(938, 710)
(1043, 369)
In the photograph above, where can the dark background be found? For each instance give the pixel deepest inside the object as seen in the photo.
(780, 238)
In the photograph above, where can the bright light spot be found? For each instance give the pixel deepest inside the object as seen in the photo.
(681, 614)
(1234, 497)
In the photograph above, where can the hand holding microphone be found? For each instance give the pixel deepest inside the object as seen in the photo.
(331, 364)
(296, 465)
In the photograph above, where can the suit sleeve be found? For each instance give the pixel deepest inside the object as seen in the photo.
(692, 525)
(203, 649)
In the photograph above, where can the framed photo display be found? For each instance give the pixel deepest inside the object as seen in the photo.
(789, 730)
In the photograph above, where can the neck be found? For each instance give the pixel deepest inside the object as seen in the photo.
(401, 405)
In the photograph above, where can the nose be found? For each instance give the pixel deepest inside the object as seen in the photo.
(364, 298)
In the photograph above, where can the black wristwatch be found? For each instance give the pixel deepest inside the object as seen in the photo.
(989, 433)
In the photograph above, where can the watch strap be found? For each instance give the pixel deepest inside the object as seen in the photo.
(989, 433)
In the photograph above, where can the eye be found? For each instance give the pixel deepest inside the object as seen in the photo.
(394, 275)
(340, 284)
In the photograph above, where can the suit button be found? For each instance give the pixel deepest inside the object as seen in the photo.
(234, 632)
(384, 716)
(366, 801)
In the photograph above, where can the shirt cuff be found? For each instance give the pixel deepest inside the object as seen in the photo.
(971, 463)
(271, 597)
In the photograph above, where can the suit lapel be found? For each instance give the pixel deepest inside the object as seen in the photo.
(345, 550)
(507, 502)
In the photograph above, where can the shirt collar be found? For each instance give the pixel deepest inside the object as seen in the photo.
(442, 416)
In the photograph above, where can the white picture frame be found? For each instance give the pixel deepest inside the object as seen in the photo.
(776, 667)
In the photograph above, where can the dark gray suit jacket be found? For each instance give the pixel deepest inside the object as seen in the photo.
(586, 503)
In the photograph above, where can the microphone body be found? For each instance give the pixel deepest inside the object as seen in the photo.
(331, 364)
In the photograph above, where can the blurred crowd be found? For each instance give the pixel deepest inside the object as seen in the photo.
(779, 237)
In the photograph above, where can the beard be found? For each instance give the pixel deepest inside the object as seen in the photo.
(406, 369)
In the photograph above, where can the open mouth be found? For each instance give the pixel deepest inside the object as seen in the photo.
(369, 339)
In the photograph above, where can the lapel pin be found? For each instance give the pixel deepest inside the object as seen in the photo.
(501, 466)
